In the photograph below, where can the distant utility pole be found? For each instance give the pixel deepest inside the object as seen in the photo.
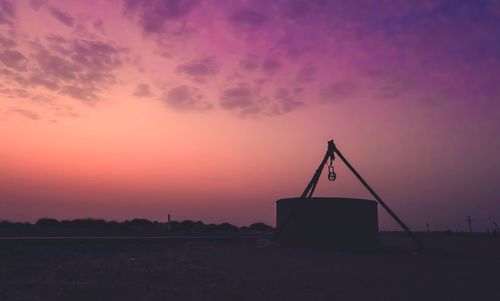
(496, 226)
(427, 227)
(169, 227)
(469, 221)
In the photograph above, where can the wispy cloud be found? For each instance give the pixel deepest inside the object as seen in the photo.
(200, 69)
(62, 17)
(74, 67)
(186, 98)
(24, 113)
(142, 90)
(155, 17)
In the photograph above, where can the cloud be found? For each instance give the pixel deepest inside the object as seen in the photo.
(78, 68)
(199, 69)
(249, 63)
(25, 113)
(286, 101)
(338, 91)
(81, 67)
(36, 4)
(247, 20)
(99, 26)
(295, 9)
(13, 59)
(186, 98)
(40, 80)
(7, 43)
(97, 57)
(86, 94)
(13, 76)
(57, 67)
(238, 97)
(271, 66)
(62, 17)
(7, 11)
(251, 100)
(14, 92)
(306, 73)
(142, 90)
(155, 16)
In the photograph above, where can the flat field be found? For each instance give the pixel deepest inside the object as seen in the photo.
(456, 267)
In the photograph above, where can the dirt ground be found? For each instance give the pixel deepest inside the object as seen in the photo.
(455, 268)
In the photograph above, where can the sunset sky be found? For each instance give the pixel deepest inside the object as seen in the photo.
(213, 110)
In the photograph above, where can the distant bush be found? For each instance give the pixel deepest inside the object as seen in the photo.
(228, 227)
(187, 226)
(6, 224)
(260, 227)
(89, 223)
(141, 225)
(47, 222)
(224, 227)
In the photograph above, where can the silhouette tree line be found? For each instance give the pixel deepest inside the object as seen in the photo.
(134, 225)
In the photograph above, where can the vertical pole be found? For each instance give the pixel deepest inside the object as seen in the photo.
(496, 226)
(379, 200)
(169, 226)
(469, 221)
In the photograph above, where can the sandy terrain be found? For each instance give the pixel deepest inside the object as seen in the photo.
(457, 268)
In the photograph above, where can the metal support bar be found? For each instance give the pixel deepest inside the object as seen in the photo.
(379, 200)
(306, 194)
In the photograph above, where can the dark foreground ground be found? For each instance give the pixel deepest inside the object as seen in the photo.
(456, 268)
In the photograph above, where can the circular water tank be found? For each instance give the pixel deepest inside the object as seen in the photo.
(328, 223)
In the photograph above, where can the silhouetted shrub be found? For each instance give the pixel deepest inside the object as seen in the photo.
(227, 227)
(260, 227)
(6, 224)
(185, 226)
(47, 222)
(140, 224)
(88, 223)
(211, 228)
(198, 226)
(188, 226)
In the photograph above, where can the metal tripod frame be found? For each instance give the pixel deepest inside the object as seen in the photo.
(308, 192)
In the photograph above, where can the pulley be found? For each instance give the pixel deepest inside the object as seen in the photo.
(331, 173)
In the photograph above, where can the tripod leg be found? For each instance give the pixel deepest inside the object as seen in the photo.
(379, 200)
(307, 193)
